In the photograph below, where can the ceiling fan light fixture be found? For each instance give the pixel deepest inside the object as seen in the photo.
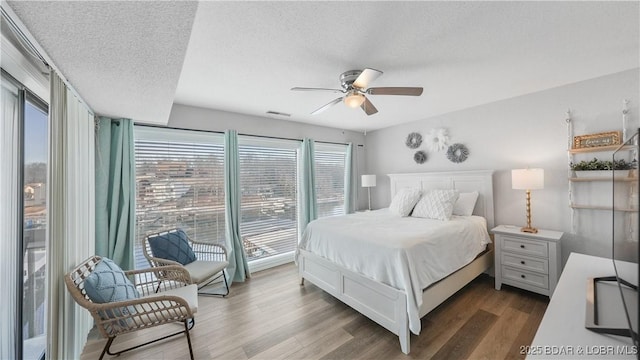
(354, 99)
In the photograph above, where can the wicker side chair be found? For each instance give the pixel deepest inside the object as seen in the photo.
(172, 299)
(211, 260)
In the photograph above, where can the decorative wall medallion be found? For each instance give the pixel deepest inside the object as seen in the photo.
(420, 157)
(457, 153)
(437, 139)
(413, 140)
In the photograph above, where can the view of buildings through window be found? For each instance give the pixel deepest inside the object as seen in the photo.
(268, 203)
(34, 229)
(180, 183)
(329, 166)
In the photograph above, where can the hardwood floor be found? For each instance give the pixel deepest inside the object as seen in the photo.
(271, 317)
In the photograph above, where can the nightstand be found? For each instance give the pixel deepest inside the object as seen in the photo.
(525, 260)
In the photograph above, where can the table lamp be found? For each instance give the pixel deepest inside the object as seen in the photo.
(528, 179)
(369, 181)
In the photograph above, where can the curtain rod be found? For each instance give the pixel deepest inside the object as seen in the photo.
(29, 44)
(222, 132)
(22, 37)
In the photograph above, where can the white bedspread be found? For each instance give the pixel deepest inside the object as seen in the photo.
(406, 253)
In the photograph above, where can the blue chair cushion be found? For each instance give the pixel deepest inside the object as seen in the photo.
(172, 245)
(108, 283)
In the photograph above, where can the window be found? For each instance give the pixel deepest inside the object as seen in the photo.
(329, 163)
(268, 183)
(179, 183)
(36, 126)
(24, 129)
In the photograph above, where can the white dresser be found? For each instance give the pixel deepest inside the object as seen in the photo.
(525, 260)
(561, 334)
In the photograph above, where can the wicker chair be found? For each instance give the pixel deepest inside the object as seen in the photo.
(211, 262)
(172, 299)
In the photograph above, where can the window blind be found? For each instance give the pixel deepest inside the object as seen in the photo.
(179, 183)
(268, 182)
(329, 164)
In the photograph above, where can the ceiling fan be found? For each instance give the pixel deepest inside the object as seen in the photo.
(355, 84)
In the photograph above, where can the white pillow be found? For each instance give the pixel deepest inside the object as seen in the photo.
(404, 201)
(465, 204)
(436, 204)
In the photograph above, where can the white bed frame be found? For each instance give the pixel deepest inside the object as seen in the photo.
(382, 303)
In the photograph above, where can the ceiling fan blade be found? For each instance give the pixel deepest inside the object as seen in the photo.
(328, 105)
(368, 107)
(407, 91)
(316, 89)
(366, 77)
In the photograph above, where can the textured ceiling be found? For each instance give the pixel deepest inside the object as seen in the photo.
(124, 58)
(244, 57)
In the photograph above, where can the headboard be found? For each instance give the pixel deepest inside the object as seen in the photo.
(463, 181)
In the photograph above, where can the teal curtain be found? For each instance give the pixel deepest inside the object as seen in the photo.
(350, 180)
(115, 190)
(238, 269)
(308, 198)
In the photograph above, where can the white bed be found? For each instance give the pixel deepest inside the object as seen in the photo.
(391, 293)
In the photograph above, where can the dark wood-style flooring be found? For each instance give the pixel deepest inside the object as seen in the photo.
(271, 317)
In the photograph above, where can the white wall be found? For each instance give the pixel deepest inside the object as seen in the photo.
(190, 117)
(528, 130)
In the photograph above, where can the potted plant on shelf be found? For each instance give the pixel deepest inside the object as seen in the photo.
(602, 168)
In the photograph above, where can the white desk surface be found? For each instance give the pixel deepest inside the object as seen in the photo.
(562, 333)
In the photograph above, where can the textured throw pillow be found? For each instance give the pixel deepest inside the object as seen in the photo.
(436, 204)
(172, 246)
(404, 201)
(108, 283)
(465, 204)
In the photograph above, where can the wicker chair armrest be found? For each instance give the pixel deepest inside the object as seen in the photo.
(125, 316)
(208, 251)
(146, 300)
(161, 278)
(156, 261)
(174, 272)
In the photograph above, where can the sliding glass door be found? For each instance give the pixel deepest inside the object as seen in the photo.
(23, 225)
(34, 220)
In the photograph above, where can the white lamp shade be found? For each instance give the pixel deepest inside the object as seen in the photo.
(368, 180)
(527, 179)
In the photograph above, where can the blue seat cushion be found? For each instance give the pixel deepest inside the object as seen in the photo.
(172, 245)
(108, 283)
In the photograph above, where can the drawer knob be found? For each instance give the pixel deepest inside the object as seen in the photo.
(522, 262)
(522, 276)
(521, 246)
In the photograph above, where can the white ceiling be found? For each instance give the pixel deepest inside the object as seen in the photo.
(245, 56)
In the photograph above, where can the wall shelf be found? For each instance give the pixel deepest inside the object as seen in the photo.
(589, 179)
(626, 183)
(599, 149)
(597, 207)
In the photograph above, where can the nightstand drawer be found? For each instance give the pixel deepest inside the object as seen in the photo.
(525, 247)
(525, 277)
(525, 263)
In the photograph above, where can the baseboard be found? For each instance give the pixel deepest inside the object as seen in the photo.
(271, 261)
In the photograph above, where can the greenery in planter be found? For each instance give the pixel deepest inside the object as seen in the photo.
(596, 164)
